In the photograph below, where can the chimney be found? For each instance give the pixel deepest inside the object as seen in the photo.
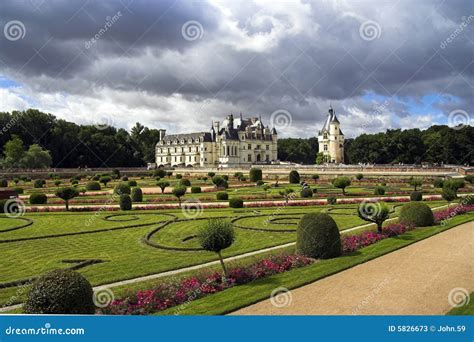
(162, 133)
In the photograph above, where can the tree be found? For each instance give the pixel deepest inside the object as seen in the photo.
(178, 192)
(66, 194)
(286, 194)
(13, 152)
(449, 194)
(265, 188)
(320, 158)
(359, 176)
(163, 185)
(376, 212)
(415, 182)
(104, 180)
(217, 235)
(57, 183)
(37, 158)
(341, 183)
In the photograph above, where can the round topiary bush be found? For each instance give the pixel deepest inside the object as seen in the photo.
(222, 196)
(195, 189)
(260, 182)
(294, 177)
(3, 183)
(220, 182)
(305, 193)
(332, 200)
(137, 195)
(255, 174)
(185, 182)
(416, 196)
(159, 173)
(380, 190)
(416, 213)
(60, 292)
(19, 191)
(38, 183)
(179, 176)
(93, 186)
(37, 198)
(125, 202)
(122, 188)
(132, 183)
(125, 178)
(318, 236)
(236, 203)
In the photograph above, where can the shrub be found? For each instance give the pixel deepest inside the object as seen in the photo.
(448, 194)
(222, 196)
(211, 174)
(294, 177)
(169, 173)
(238, 175)
(307, 192)
(454, 184)
(132, 183)
(255, 174)
(3, 183)
(67, 194)
(38, 198)
(315, 177)
(104, 180)
(332, 200)
(125, 178)
(416, 196)
(315, 190)
(217, 235)
(380, 190)
(38, 183)
(469, 178)
(136, 195)
(116, 173)
(179, 176)
(417, 214)
(260, 182)
(236, 202)
(60, 292)
(342, 183)
(318, 236)
(95, 178)
(57, 183)
(185, 182)
(220, 182)
(19, 190)
(122, 188)
(93, 186)
(163, 185)
(74, 182)
(159, 173)
(415, 182)
(125, 202)
(196, 189)
(226, 178)
(359, 176)
(438, 183)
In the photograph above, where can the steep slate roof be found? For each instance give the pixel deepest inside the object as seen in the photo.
(198, 135)
(331, 118)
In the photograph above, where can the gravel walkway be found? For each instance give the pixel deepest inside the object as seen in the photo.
(415, 280)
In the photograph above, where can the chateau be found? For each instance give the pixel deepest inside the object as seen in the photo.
(237, 142)
(331, 139)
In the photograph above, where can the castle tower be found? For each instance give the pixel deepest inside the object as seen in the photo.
(331, 139)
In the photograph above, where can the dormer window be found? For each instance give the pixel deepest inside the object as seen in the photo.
(325, 135)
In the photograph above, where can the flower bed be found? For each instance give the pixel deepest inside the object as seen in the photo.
(166, 295)
(445, 214)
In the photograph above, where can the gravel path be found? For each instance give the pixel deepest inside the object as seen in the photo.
(415, 280)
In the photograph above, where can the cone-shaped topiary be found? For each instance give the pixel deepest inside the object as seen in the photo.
(318, 236)
(294, 177)
(416, 196)
(60, 292)
(416, 213)
(137, 195)
(125, 202)
(255, 175)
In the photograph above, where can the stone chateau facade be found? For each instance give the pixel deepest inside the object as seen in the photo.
(331, 139)
(237, 142)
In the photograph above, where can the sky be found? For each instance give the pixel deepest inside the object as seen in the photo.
(179, 65)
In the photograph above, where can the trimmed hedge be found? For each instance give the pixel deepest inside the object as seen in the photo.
(37, 198)
(416, 196)
(122, 188)
(318, 237)
(93, 186)
(196, 190)
(132, 183)
(380, 190)
(305, 193)
(294, 177)
(60, 292)
(125, 202)
(255, 174)
(38, 183)
(417, 214)
(236, 203)
(222, 196)
(185, 182)
(19, 191)
(136, 195)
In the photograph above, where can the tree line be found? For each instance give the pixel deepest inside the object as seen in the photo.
(35, 139)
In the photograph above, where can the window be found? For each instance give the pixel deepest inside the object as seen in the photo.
(267, 158)
(325, 135)
(325, 147)
(249, 157)
(249, 146)
(268, 147)
(189, 149)
(175, 150)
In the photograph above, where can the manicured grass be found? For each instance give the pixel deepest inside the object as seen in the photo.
(244, 295)
(466, 310)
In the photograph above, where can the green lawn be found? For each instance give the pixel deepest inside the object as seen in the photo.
(466, 310)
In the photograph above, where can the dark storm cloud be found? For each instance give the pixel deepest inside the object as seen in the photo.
(301, 71)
